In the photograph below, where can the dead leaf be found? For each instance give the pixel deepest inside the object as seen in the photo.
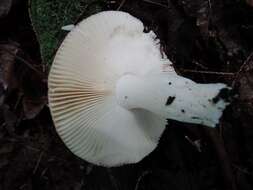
(5, 6)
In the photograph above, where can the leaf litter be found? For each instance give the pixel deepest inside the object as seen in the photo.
(197, 36)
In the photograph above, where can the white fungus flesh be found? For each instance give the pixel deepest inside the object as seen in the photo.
(111, 90)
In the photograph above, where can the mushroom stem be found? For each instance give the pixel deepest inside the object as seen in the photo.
(174, 97)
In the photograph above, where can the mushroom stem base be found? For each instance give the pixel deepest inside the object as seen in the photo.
(174, 97)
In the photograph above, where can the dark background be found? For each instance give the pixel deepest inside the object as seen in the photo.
(207, 40)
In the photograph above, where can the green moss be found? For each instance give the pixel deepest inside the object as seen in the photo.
(48, 16)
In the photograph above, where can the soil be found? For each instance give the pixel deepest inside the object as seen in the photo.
(207, 40)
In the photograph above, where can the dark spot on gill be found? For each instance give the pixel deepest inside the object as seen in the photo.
(182, 110)
(170, 100)
(170, 83)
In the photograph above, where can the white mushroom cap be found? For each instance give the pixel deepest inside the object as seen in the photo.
(111, 88)
(82, 82)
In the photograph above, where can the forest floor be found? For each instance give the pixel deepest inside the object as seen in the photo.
(207, 41)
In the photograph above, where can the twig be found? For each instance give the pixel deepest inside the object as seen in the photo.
(242, 67)
(156, 3)
(210, 4)
(32, 148)
(207, 72)
(200, 65)
(38, 162)
(242, 170)
(140, 178)
(245, 63)
(121, 4)
(22, 186)
(19, 98)
(111, 2)
(195, 143)
(30, 66)
(43, 172)
(25, 62)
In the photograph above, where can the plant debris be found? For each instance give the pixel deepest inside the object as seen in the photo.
(207, 40)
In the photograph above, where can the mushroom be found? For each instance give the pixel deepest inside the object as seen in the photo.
(111, 91)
